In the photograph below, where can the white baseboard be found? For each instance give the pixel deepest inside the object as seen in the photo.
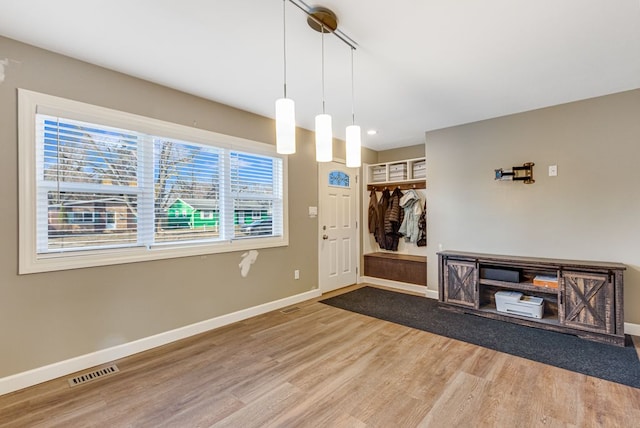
(63, 368)
(83, 362)
(432, 294)
(632, 329)
(420, 289)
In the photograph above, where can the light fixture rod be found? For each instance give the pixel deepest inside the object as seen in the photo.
(322, 38)
(351, 44)
(353, 93)
(284, 43)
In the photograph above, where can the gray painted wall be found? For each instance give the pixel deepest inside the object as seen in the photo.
(401, 153)
(590, 211)
(51, 317)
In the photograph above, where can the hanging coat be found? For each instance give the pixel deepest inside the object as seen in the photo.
(392, 221)
(412, 206)
(373, 212)
(422, 227)
(383, 203)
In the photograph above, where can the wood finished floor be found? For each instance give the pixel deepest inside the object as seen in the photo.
(325, 367)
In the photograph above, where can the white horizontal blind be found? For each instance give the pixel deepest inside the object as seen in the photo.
(256, 191)
(101, 187)
(187, 191)
(87, 185)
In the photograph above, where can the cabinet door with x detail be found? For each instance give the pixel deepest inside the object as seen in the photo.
(587, 301)
(461, 283)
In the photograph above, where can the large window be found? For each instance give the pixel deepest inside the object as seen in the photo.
(103, 187)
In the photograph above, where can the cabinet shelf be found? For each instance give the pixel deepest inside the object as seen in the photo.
(521, 286)
(546, 318)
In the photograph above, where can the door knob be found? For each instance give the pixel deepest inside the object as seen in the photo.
(325, 237)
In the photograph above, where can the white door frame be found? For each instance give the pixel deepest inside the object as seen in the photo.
(358, 190)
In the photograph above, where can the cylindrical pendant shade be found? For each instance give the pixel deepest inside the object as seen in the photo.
(285, 126)
(354, 145)
(324, 138)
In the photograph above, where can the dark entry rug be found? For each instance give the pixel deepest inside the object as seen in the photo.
(566, 351)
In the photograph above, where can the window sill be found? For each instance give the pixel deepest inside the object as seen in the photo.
(86, 259)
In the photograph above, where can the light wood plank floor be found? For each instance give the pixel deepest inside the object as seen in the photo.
(325, 367)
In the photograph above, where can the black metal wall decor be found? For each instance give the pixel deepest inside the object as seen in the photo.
(517, 173)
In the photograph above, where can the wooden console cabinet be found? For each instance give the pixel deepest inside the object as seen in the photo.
(588, 300)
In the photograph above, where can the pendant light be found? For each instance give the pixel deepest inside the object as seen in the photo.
(354, 140)
(324, 133)
(285, 107)
(322, 20)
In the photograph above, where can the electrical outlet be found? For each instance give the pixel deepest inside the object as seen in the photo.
(296, 274)
(553, 170)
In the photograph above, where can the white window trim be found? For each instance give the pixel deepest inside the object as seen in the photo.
(30, 103)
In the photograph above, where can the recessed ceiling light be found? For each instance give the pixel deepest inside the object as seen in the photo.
(372, 132)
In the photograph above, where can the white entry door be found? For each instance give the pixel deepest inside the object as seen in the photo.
(338, 226)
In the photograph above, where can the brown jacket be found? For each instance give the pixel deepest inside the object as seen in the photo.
(373, 212)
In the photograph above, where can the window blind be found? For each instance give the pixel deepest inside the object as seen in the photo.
(88, 186)
(256, 193)
(103, 187)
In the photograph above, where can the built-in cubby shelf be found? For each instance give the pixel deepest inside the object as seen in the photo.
(409, 173)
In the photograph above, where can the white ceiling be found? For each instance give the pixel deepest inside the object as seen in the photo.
(420, 64)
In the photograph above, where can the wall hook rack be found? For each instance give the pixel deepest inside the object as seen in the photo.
(517, 173)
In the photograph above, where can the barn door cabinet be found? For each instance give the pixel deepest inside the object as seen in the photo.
(461, 283)
(587, 300)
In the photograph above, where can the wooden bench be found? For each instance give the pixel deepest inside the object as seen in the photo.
(396, 267)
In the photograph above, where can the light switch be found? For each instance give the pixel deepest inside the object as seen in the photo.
(553, 170)
(313, 211)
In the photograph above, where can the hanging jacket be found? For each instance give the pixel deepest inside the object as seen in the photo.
(373, 212)
(422, 227)
(392, 221)
(383, 203)
(394, 213)
(412, 206)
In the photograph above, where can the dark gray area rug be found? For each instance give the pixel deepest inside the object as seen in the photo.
(609, 362)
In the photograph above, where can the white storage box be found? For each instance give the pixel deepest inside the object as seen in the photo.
(420, 169)
(514, 302)
(398, 171)
(378, 173)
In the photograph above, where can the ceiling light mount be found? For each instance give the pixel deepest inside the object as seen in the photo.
(339, 34)
(322, 20)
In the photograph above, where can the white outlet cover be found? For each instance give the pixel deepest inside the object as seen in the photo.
(553, 170)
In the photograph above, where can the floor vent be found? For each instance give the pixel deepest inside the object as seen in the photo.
(290, 310)
(96, 374)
